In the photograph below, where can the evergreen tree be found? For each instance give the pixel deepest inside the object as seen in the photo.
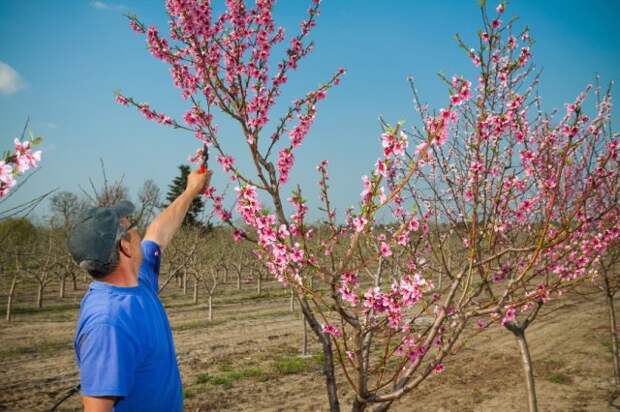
(176, 188)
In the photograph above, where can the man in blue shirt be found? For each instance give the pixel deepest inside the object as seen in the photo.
(123, 341)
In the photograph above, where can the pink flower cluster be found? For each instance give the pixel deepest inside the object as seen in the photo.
(461, 91)
(332, 330)
(394, 145)
(284, 261)
(285, 164)
(349, 288)
(403, 294)
(16, 163)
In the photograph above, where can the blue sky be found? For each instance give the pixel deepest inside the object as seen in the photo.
(71, 56)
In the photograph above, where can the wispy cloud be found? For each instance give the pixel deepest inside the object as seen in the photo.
(100, 5)
(10, 80)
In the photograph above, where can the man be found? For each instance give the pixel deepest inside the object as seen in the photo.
(123, 341)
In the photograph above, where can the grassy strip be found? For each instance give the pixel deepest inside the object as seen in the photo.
(32, 310)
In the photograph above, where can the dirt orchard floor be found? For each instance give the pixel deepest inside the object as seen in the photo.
(246, 359)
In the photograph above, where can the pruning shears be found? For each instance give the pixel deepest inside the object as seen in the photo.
(205, 159)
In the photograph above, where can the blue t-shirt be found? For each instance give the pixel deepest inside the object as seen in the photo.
(124, 345)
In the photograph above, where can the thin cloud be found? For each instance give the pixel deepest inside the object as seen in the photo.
(100, 5)
(52, 125)
(10, 81)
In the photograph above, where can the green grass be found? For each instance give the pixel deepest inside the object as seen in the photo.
(559, 378)
(230, 375)
(293, 364)
(39, 347)
(32, 309)
(196, 324)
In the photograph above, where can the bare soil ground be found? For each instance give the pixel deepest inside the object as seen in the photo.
(247, 358)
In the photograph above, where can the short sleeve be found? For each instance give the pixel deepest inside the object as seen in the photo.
(149, 270)
(107, 357)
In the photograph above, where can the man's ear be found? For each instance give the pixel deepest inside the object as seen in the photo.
(125, 247)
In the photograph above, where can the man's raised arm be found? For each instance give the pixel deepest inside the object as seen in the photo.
(164, 227)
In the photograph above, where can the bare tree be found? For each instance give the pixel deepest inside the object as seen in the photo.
(43, 264)
(149, 198)
(109, 194)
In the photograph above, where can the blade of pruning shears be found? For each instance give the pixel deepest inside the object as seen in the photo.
(205, 158)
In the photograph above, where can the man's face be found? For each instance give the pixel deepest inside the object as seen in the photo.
(133, 244)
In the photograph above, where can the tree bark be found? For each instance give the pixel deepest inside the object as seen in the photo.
(328, 361)
(74, 280)
(259, 284)
(526, 360)
(292, 301)
(614, 335)
(210, 308)
(304, 346)
(40, 295)
(358, 406)
(238, 280)
(195, 292)
(61, 292)
(11, 299)
(184, 283)
(383, 407)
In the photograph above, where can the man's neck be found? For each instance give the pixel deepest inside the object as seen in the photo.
(122, 278)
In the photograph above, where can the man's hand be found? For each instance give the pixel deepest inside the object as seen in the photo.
(197, 182)
(168, 222)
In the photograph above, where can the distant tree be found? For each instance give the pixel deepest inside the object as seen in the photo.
(108, 194)
(149, 198)
(17, 236)
(66, 206)
(176, 188)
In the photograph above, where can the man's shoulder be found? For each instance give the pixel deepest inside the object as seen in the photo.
(100, 306)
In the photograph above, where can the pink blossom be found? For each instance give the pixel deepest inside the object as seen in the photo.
(122, 100)
(332, 330)
(197, 157)
(285, 163)
(26, 159)
(238, 235)
(359, 223)
(6, 174)
(438, 368)
(227, 162)
(509, 316)
(385, 250)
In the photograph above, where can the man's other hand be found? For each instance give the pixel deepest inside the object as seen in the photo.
(197, 182)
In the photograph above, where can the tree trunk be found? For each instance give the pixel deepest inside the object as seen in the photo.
(519, 333)
(239, 281)
(304, 346)
(383, 407)
(74, 280)
(292, 301)
(614, 336)
(11, 298)
(40, 296)
(210, 308)
(61, 292)
(259, 284)
(195, 292)
(358, 406)
(184, 283)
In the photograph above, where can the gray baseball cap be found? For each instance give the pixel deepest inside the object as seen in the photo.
(93, 239)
